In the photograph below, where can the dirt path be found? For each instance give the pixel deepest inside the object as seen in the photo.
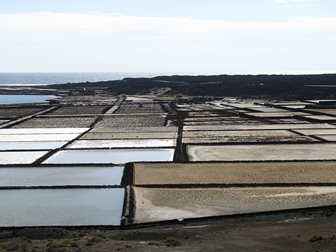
(303, 231)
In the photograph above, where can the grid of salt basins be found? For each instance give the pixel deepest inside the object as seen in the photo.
(277, 132)
(14, 114)
(232, 157)
(55, 174)
(241, 157)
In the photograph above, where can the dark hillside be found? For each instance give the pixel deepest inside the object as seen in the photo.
(265, 86)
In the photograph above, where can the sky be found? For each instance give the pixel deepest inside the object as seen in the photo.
(176, 36)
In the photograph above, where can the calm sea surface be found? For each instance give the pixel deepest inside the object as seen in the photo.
(61, 78)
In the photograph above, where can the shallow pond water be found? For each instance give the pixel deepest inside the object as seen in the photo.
(20, 157)
(60, 176)
(61, 207)
(114, 156)
(30, 145)
(18, 99)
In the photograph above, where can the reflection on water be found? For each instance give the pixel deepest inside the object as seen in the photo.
(18, 99)
(66, 207)
(115, 156)
(60, 176)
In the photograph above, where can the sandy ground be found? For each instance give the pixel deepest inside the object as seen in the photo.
(287, 121)
(157, 204)
(9, 113)
(281, 232)
(135, 129)
(276, 115)
(262, 152)
(249, 105)
(239, 139)
(310, 132)
(3, 121)
(78, 110)
(330, 138)
(130, 135)
(205, 114)
(290, 103)
(268, 109)
(261, 127)
(140, 108)
(235, 173)
(331, 111)
(200, 107)
(90, 99)
(149, 120)
(225, 122)
(242, 136)
(57, 122)
(212, 118)
(243, 133)
(321, 117)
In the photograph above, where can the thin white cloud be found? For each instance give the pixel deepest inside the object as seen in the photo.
(102, 42)
(293, 1)
(296, 3)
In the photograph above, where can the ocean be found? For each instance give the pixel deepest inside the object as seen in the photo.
(9, 79)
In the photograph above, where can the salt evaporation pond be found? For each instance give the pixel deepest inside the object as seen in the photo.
(61, 207)
(30, 145)
(35, 131)
(19, 99)
(20, 157)
(37, 137)
(124, 143)
(60, 176)
(114, 156)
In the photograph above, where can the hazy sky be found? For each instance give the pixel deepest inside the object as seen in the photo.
(194, 36)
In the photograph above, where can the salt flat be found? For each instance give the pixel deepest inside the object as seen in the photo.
(28, 145)
(243, 133)
(276, 114)
(129, 135)
(330, 138)
(20, 157)
(113, 156)
(110, 129)
(57, 122)
(235, 173)
(261, 127)
(37, 137)
(31, 131)
(261, 152)
(125, 143)
(324, 118)
(310, 132)
(157, 204)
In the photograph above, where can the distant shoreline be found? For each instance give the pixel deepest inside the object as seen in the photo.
(280, 87)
